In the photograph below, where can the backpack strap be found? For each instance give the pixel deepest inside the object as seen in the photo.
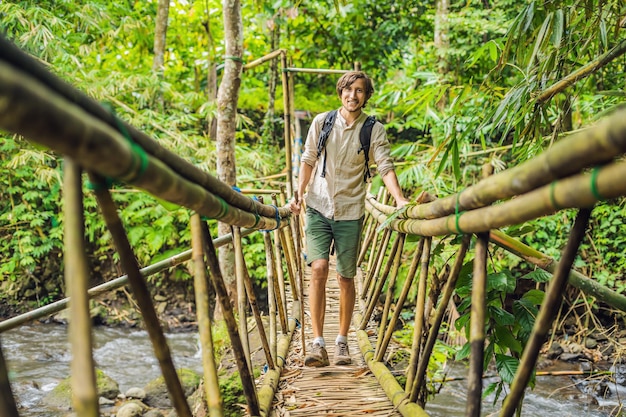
(366, 137)
(329, 122)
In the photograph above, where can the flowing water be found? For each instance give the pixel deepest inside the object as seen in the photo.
(38, 358)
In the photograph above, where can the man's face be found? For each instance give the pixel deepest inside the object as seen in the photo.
(353, 96)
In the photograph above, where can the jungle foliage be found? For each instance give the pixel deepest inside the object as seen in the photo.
(491, 93)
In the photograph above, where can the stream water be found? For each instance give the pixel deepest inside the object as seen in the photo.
(38, 358)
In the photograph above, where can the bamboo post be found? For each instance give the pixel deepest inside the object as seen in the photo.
(287, 123)
(242, 297)
(477, 327)
(403, 295)
(300, 265)
(546, 315)
(289, 252)
(280, 275)
(420, 375)
(370, 232)
(8, 407)
(144, 301)
(201, 291)
(253, 304)
(369, 285)
(419, 314)
(397, 260)
(373, 299)
(247, 379)
(83, 380)
(271, 292)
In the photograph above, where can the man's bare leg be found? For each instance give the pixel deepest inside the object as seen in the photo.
(347, 297)
(317, 306)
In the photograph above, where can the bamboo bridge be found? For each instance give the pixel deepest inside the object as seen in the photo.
(576, 172)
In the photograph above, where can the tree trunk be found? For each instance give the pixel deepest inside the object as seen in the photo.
(160, 33)
(211, 79)
(442, 44)
(227, 97)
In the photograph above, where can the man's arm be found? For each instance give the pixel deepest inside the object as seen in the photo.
(303, 180)
(391, 182)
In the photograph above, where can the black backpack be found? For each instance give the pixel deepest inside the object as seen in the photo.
(365, 136)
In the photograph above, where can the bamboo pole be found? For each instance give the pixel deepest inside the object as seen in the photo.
(581, 190)
(576, 279)
(272, 377)
(271, 292)
(385, 378)
(253, 305)
(108, 152)
(287, 124)
(420, 375)
(247, 379)
(369, 285)
(546, 315)
(300, 267)
(403, 295)
(289, 252)
(32, 69)
(242, 297)
(397, 261)
(477, 327)
(370, 232)
(264, 59)
(315, 70)
(8, 407)
(83, 379)
(215, 404)
(373, 299)
(280, 275)
(116, 283)
(419, 315)
(142, 295)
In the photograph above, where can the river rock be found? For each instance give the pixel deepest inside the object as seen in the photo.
(555, 351)
(131, 409)
(61, 396)
(156, 390)
(136, 393)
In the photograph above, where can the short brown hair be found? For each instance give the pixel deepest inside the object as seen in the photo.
(350, 77)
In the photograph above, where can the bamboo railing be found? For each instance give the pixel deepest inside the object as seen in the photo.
(45, 110)
(576, 172)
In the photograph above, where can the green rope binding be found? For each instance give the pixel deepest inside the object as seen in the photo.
(552, 197)
(594, 184)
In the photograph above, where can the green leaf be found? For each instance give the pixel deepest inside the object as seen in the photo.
(506, 339)
(463, 353)
(501, 316)
(538, 275)
(501, 281)
(507, 367)
(534, 296)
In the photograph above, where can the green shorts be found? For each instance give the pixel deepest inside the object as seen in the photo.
(320, 233)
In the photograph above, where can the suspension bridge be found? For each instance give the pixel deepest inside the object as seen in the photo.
(575, 173)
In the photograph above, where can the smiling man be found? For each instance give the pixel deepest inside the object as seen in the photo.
(334, 177)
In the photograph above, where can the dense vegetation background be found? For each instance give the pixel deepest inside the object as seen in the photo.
(458, 84)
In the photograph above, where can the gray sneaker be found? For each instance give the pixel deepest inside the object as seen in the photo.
(342, 355)
(317, 356)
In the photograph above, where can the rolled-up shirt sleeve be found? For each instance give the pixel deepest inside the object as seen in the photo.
(380, 150)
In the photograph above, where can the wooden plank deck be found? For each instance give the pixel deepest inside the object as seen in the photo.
(350, 390)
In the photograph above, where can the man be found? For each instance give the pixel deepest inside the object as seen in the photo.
(335, 206)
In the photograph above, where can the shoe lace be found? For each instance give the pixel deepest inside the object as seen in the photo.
(342, 349)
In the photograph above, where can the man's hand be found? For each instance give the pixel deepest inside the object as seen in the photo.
(294, 205)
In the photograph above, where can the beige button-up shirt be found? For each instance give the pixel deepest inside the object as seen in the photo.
(340, 195)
